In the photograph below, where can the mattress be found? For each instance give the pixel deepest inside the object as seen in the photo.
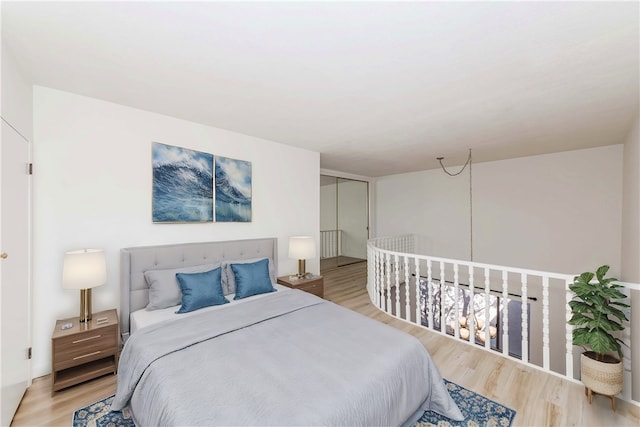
(141, 318)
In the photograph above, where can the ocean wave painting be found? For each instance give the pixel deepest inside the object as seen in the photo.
(182, 184)
(233, 190)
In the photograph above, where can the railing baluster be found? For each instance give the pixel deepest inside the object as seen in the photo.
(429, 307)
(371, 269)
(525, 320)
(505, 313)
(568, 330)
(487, 312)
(407, 286)
(418, 309)
(545, 322)
(442, 282)
(387, 274)
(378, 288)
(456, 305)
(471, 320)
(396, 264)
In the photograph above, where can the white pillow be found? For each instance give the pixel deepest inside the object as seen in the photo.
(164, 289)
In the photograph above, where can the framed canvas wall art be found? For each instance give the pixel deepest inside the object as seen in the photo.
(182, 185)
(233, 190)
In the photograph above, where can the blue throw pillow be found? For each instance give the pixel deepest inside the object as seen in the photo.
(252, 278)
(200, 290)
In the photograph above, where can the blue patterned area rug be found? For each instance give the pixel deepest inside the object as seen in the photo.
(477, 410)
(99, 415)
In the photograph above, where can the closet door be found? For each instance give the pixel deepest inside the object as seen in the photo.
(353, 220)
(329, 233)
(14, 270)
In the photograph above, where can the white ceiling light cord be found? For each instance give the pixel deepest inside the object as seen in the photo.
(469, 162)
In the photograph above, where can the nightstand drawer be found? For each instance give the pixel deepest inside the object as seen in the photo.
(85, 347)
(315, 288)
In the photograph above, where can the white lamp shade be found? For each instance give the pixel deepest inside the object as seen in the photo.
(84, 269)
(302, 247)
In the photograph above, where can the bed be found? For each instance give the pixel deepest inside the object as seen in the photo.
(279, 357)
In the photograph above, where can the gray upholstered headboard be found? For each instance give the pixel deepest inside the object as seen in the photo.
(134, 291)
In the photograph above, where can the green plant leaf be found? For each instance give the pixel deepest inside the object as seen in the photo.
(580, 307)
(605, 325)
(579, 319)
(612, 294)
(582, 289)
(618, 303)
(601, 342)
(615, 312)
(584, 277)
(581, 336)
(601, 272)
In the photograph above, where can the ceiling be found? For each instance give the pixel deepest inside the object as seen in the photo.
(377, 88)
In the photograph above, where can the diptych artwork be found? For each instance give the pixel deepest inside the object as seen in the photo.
(233, 190)
(192, 186)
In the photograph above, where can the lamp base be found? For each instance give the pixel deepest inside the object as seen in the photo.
(85, 305)
(302, 268)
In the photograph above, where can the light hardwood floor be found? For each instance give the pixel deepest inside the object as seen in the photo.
(539, 399)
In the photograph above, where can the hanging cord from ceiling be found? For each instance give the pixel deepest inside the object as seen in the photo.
(469, 163)
(440, 159)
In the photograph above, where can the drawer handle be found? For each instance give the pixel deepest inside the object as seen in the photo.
(87, 355)
(87, 339)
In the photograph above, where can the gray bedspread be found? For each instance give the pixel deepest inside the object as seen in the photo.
(287, 359)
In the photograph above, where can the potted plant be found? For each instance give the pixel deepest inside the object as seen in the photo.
(597, 311)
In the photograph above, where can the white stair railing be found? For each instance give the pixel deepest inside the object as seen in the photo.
(501, 309)
(330, 243)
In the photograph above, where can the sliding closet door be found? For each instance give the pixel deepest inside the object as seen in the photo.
(353, 220)
(329, 233)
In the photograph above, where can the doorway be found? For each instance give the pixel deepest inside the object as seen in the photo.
(344, 221)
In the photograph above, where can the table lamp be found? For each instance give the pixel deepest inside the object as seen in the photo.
(84, 269)
(302, 248)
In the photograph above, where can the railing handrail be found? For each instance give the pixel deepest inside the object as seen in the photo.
(480, 265)
(559, 276)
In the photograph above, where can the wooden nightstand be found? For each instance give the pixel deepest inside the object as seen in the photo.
(84, 351)
(314, 285)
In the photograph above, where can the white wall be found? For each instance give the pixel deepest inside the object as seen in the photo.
(559, 212)
(92, 188)
(429, 203)
(631, 208)
(17, 95)
(556, 212)
(631, 245)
